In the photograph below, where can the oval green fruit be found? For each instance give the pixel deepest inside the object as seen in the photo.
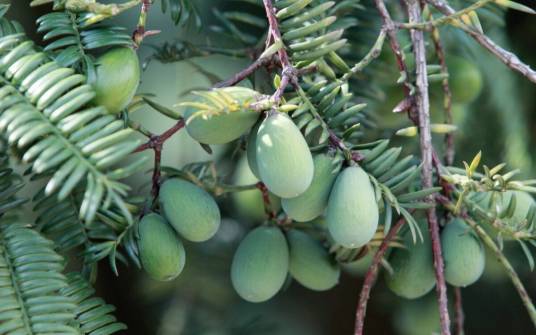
(161, 251)
(413, 269)
(463, 254)
(226, 126)
(352, 213)
(314, 200)
(310, 263)
(117, 79)
(249, 204)
(260, 264)
(284, 161)
(465, 80)
(190, 210)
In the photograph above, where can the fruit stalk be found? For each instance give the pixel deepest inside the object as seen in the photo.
(156, 142)
(371, 275)
(422, 105)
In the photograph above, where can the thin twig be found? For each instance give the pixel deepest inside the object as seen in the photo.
(508, 58)
(423, 108)
(371, 275)
(289, 73)
(140, 33)
(460, 317)
(238, 77)
(429, 25)
(156, 142)
(447, 95)
(373, 53)
(266, 200)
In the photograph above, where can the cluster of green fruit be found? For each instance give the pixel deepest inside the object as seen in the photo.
(412, 273)
(279, 156)
(188, 211)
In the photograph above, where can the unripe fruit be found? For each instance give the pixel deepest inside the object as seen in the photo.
(352, 214)
(228, 125)
(260, 264)
(465, 80)
(314, 200)
(283, 158)
(190, 210)
(161, 251)
(249, 204)
(413, 269)
(310, 263)
(463, 254)
(117, 79)
(523, 203)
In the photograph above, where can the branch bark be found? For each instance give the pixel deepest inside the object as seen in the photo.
(422, 104)
(370, 277)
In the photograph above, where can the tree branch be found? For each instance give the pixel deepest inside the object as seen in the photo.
(508, 58)
(460, 317)
(156, 142)
(423, 108)
(371, 275)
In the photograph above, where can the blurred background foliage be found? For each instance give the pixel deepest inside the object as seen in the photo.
(500, 121)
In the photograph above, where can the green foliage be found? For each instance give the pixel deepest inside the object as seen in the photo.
(69, 41)
(82, 143)
(93, 314)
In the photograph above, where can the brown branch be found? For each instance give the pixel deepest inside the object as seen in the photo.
(422, 104)
(140, 33)
(238, 77)
(156, 142)
(371, 275)
(447, 95)
(460, 317)
(390, 29)
(288, 74)
(266, 200)
(508, 58)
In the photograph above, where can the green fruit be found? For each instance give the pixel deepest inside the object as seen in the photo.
(260, 264)
(413, 269)
(310, 263)
(161, 251)
(465, 80)
(284, 161)
(463, 254)
(249, 204)
(190, 210)
(251, 150)
(314, 200)
(228, 125)
(117, 79)
(523, 203)
(352, 213)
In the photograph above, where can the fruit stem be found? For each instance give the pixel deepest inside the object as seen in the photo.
(266, 200)
(422, 106)
(371, 275)
(156, 142)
